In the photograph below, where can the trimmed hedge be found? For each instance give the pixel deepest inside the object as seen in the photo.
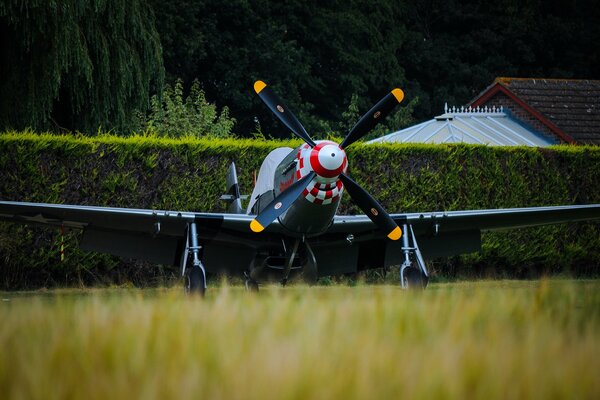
(189, 174)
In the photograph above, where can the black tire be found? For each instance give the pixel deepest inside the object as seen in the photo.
(414, 278)
(195, 281)
(251, 285)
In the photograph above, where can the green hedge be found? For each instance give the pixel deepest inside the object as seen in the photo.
(189, 174)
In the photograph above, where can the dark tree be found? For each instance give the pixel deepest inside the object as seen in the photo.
(457, 47)
(315, 54)
(82, 64)
(77, 65)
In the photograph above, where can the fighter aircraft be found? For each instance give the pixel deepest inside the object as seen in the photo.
(290, 226)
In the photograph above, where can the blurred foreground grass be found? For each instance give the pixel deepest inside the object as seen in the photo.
(500, 339)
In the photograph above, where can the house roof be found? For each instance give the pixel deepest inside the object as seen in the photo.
(570, 108)
(478, 126)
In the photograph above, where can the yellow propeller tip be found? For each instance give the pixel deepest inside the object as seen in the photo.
(395, 234)
(258, 86)
(398, 94)
(256, 226)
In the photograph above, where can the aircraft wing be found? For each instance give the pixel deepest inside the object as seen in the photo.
(119, 219)
(440, 222)
(152, 235)
(173, 223)
(160, 236)
(438, 234)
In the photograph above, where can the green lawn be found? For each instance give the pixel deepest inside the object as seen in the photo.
(491, 339)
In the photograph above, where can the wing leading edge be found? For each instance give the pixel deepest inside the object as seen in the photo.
(173, 223)
(120, 219)
(440, 234)
(482, 220)
(159, 236)
(152, 235)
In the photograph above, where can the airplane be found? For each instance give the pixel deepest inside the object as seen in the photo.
(290, 227)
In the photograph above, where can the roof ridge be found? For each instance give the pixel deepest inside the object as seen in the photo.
(505, 80)
(506, 89)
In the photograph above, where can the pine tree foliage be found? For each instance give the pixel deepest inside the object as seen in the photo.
(77, 65)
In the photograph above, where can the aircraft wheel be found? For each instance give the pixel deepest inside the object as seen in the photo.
(414, 278)
(251, 285)
(195, 281)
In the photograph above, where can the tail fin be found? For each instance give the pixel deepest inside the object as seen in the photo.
(232, 197)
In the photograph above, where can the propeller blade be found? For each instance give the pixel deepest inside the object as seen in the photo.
(281, 111)
(371, 208)
(280, 204)
(373, 117)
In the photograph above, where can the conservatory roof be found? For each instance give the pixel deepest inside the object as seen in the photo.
(569, 108)
(470, 125)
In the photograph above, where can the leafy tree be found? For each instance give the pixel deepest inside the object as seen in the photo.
(183, 37)
(172, 115)
(313, 54)
(77, 65)
(349, 117)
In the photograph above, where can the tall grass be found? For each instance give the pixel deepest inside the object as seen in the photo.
(482, 340)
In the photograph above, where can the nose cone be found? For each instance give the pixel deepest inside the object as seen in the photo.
(331, 157)
(328, 159)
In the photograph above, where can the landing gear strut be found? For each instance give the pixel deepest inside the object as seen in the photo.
(251, 284)
(195, 278)
(412, 277)
(289, 262)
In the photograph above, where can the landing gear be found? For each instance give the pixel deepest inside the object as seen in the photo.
(310, 271)
(296, 260)
(195, 282)
(289, 262)
(195, 278)
(250, 284)
(412, 277)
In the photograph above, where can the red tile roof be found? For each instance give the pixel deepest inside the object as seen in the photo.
(570, 108)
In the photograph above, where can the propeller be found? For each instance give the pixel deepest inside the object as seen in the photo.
(373, 116)
(329, 160)
(281, 111)
(371, 208)
(280, 204)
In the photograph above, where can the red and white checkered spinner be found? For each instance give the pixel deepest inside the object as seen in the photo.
(328, 160)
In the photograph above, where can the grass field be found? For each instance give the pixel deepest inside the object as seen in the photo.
(491, 339)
